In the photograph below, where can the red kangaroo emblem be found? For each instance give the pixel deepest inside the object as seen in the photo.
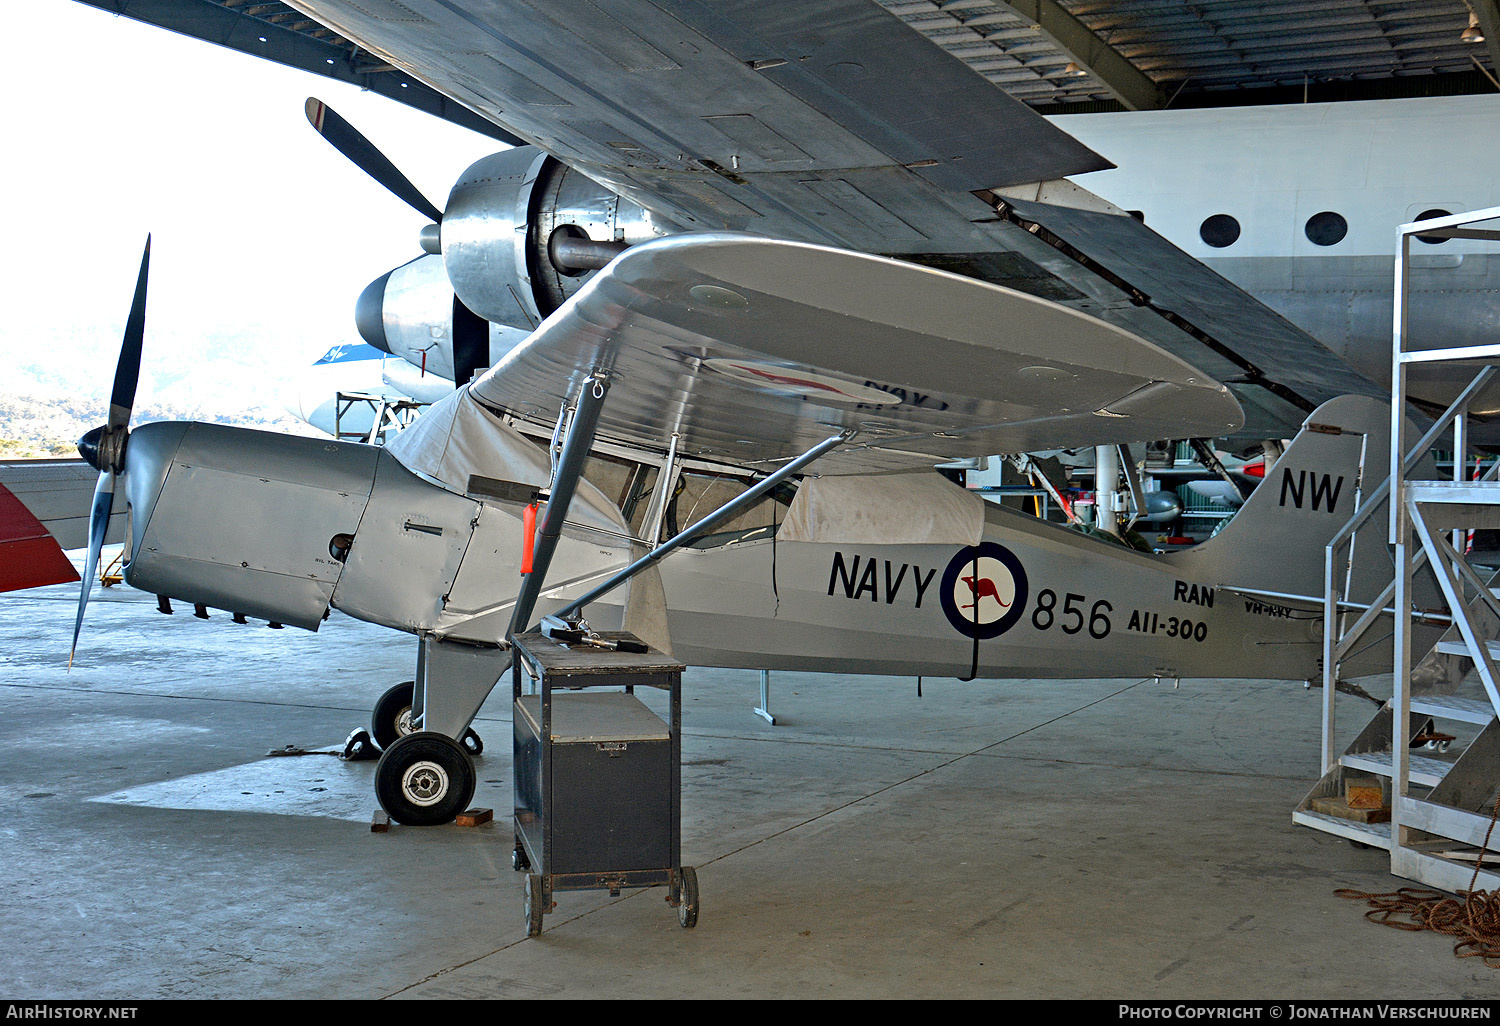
(985, 587)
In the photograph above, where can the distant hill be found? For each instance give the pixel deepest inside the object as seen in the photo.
(45, 422)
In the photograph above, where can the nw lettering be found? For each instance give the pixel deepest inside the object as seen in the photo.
(1325, 491)
(857, 583)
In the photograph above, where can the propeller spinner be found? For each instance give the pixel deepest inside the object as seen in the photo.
(103, 448)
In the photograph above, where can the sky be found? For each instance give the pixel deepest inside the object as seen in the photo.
(262, 234)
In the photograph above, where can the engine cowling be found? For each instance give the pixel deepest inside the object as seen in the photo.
(503, 213)
(521, 233)
(412, 312)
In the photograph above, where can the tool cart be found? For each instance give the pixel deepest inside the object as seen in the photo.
(598, 774)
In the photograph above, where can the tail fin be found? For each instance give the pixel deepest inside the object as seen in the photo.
(1276, 541)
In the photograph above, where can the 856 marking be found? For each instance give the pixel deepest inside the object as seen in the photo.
(1071, 617)
(1146, 622)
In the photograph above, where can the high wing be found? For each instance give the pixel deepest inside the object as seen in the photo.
(752, 350)
(832, 122)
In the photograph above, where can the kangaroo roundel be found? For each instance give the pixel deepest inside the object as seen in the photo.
(983, 590)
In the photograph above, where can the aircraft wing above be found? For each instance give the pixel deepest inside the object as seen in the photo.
(833, 122)
(823, 120)
(752, 350)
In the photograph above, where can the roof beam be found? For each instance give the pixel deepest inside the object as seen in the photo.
(1124, 80)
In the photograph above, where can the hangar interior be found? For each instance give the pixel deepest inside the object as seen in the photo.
(1087, 838)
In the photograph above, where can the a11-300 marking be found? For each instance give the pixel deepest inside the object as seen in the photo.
(1147, 622)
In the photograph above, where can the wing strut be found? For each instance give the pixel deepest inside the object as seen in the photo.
(708, 523)
(576, 446)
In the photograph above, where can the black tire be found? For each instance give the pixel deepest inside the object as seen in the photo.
(518, 860)
(687, 905)
(472, 742)
(424, 779)
(534, 909)
(391, 719)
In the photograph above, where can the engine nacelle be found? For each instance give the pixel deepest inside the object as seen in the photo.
(411, 312)
(522, 233)
(503, 213)
(243, 520)
(281, 528)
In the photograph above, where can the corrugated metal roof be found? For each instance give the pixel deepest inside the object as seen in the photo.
(1192, 50)
(1135, 53)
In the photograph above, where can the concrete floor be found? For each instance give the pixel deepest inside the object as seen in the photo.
(1032, 839)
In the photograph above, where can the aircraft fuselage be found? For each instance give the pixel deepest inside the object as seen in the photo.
(1305, 201)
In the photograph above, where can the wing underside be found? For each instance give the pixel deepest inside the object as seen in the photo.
(832, 122)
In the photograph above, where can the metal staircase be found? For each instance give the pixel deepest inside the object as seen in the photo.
(388, 416)
(1423, 778)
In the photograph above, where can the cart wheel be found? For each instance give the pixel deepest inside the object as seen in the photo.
(687, 906)
(534, 906)
(472, 743)
(392, 716)
(424, 779)
(518, 860)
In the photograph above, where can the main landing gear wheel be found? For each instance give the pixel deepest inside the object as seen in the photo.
(392, 717)
(424, 779)
(534, 906)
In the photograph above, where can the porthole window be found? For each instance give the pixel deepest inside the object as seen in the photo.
(1326, 229)
(1219, 231)
(1428, 214)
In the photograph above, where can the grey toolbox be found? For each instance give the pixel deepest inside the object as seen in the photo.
(598, 775)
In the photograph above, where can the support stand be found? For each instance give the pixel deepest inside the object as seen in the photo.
(764, 709)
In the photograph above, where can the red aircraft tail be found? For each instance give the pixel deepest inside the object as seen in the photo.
(29, 556)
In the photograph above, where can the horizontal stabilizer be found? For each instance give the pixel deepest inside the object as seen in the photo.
(29, 556)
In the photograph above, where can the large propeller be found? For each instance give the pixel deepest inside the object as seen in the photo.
(471, 333)
(347, 139)
(103, 448)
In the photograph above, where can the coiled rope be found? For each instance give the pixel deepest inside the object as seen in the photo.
(1474, 920)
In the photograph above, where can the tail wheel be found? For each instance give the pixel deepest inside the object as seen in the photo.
(424, 779)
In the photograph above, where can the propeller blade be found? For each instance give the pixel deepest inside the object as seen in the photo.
(128, 370)
(104, 448)
(347, 140)
(104, 500)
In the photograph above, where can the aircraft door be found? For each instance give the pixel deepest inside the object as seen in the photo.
(402, 561)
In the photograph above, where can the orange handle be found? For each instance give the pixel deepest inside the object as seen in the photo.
(528, 537)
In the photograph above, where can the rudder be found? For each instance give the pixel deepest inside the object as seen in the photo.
(1276, 541)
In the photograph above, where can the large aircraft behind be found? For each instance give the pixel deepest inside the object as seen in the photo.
(1230, 187)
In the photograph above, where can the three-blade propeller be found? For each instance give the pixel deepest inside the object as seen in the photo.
(103, 448)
